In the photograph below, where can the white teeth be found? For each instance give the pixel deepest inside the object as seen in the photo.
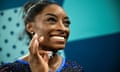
(58, 37)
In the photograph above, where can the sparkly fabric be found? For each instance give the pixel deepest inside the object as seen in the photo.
(17, 66)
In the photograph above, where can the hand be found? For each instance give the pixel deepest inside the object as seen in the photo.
(38, 59)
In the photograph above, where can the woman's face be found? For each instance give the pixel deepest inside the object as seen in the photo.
(53, 25)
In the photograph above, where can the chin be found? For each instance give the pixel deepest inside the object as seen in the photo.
(53, 46)
(58, 47)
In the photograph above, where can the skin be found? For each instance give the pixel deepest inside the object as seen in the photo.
(53, 21)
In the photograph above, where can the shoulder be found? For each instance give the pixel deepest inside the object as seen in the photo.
(72, 66)
(14, 67)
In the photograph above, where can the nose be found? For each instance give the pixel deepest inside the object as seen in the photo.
(60, 26)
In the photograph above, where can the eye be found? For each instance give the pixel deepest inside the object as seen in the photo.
(67, 23)
(51, 20)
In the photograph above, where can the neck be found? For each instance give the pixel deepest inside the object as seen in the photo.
(54, 61)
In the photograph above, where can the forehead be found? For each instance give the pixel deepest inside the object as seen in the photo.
(55, 9)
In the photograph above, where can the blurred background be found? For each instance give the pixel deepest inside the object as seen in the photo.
(94, 41)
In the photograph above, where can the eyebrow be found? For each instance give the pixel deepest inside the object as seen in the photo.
(50, 14)
(66, 17)
(56, 16)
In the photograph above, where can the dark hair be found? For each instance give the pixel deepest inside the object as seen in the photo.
(32, 9)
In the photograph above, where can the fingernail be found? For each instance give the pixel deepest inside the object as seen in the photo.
(35, 35)
(41, 38)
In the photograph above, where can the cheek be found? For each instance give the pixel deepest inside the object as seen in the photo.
(44, 32)
(41, 30)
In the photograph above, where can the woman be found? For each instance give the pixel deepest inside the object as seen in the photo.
(47, 25)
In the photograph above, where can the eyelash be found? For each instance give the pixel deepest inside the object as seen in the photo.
(53, 21)
(67, 23)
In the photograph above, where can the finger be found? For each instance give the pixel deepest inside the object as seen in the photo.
(46, 58)
(42, 58)
(32, 44)
(35, 47)
(37, 52)
(44, 55)
(41, 38)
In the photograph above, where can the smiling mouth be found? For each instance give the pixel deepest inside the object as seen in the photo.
(58, 39)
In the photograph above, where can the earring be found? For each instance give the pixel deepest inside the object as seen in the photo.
(32, 33)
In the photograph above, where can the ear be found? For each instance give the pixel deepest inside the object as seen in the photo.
(29, 27)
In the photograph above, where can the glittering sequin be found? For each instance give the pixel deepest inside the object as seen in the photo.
(69, 66)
